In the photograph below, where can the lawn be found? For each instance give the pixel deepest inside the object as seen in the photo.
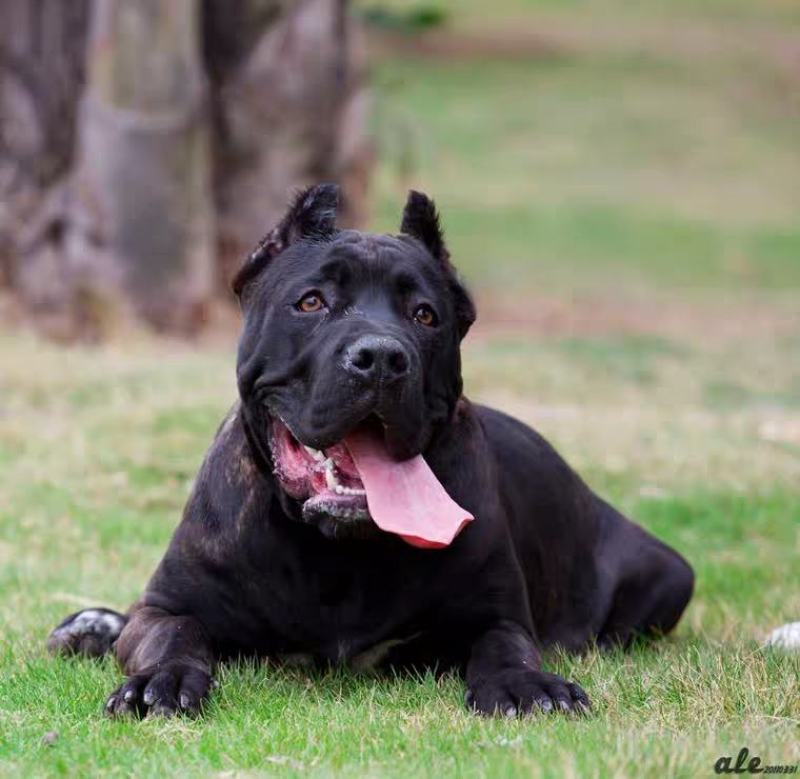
(626, 211)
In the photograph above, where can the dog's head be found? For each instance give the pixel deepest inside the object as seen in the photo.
(347, 334)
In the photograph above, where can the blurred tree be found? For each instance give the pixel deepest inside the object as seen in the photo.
(289, 105)
(145, 146)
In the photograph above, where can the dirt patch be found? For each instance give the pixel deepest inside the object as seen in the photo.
(674, 316)
(539, 36)
(452, 45)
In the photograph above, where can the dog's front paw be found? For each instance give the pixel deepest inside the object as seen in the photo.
(173, 688)
(521, 691)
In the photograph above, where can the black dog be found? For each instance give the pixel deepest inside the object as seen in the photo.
(326, 524)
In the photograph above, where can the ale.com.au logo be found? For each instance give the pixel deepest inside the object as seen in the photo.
(745, 763)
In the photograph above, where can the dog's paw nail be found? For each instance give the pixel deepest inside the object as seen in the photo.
(510, 712)
(545, 704)
(149, 698)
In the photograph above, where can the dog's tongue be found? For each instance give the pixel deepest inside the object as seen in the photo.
(405, 497)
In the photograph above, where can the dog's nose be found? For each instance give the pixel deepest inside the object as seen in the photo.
(376, 357)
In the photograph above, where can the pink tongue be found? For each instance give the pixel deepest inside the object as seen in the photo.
(405, 497)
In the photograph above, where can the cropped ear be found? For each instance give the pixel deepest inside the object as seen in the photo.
(421, 221)
(312, 214)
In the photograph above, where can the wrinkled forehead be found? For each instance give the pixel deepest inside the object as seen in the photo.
(361, 258)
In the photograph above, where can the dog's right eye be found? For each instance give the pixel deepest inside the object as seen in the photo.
(311, 302)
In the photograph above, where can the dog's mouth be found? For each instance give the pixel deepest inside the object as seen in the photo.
(356, 480)
(327, 479)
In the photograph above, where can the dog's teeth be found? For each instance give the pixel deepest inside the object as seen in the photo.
(330, 477)
(315, 453)
(333, 483)
(342, 490)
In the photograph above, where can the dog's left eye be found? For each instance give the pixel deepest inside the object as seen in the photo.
(311, 302)
(425, 315)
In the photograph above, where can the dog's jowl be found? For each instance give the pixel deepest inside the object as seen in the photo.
(356, 508)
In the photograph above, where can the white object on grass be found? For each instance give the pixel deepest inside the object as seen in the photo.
(785, 637)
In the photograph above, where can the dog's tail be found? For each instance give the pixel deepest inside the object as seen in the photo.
(91, 632)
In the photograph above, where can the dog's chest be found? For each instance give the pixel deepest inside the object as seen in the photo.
(341, 617)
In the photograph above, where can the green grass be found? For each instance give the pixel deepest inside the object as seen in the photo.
(620, 157)
(268, 721)
(626, 212)
(88, 503)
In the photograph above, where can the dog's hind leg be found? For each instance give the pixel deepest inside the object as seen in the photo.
(654, 585)
(91, 632)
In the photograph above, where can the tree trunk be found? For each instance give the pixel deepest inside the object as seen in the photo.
(41, 77)
(141, 213)
(290, 103)
(140, 140)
